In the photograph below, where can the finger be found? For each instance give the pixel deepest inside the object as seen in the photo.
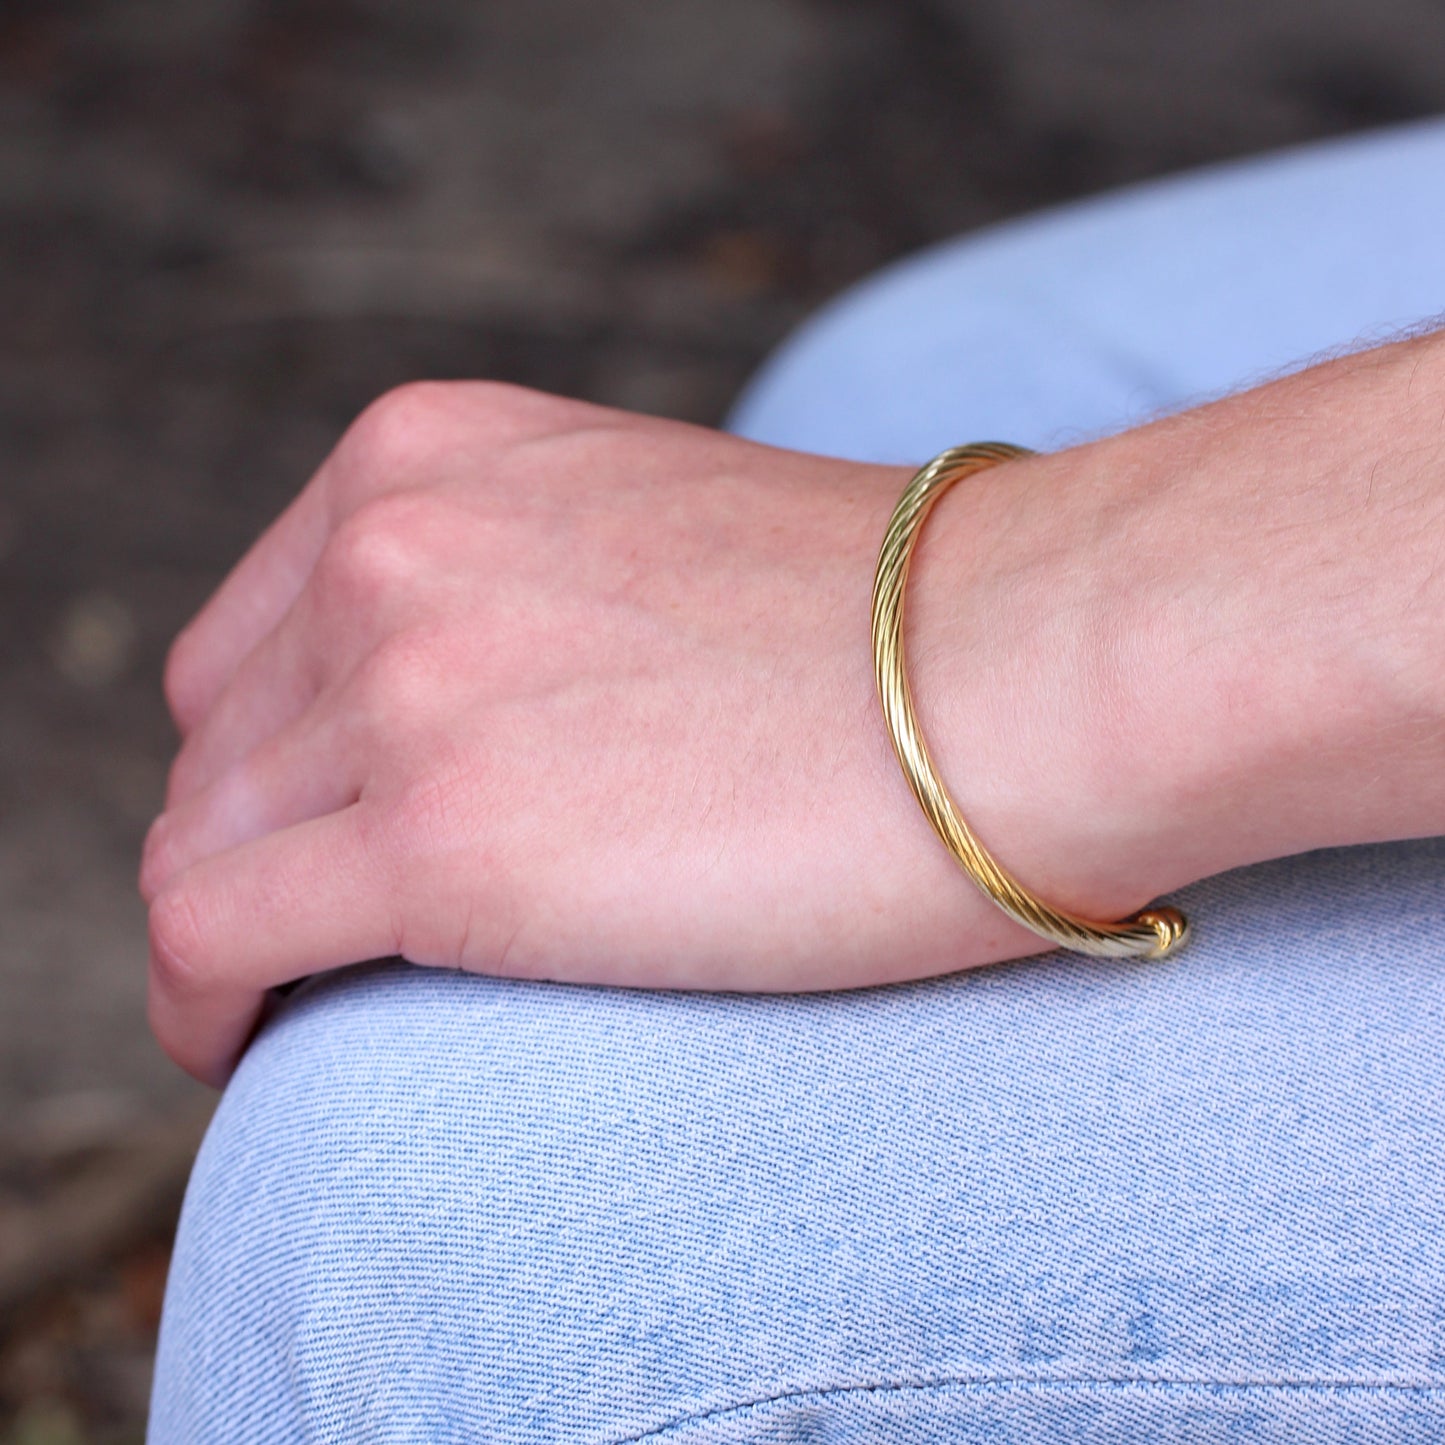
(308, 769)
(273, 910)
(246, 607)
(273, 685)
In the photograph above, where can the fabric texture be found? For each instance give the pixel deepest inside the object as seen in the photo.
(1194, 1201)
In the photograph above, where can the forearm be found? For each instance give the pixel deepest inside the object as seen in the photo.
(1204, 643)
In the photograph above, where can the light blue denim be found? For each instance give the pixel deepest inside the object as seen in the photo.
(1059, 1200)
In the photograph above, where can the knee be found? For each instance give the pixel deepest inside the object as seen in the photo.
(360, 1175)
(426, 1196)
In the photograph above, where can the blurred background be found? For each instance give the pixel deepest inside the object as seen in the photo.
(226, 225)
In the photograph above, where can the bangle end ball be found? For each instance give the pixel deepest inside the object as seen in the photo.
(1171, 926)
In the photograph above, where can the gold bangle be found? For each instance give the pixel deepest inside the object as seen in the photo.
(1149, 934)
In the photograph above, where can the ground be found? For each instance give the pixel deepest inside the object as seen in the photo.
(225, 227)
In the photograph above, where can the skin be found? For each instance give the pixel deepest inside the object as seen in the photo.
(527, 687)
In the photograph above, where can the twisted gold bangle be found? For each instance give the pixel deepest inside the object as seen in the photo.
(1149, 934)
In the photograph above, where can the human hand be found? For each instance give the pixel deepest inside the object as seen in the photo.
(527, 687)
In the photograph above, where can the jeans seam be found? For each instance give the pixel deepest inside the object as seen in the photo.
(1030, 1383)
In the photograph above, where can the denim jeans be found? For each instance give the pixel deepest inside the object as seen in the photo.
(1054, 1200)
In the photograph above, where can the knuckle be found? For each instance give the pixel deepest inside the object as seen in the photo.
(399, 440)
(402, 436)
(177, 944)
(400, 431)
(398, 680)
(372, 554)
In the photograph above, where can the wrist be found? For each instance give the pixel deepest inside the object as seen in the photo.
(1021, 686)
(1208, 642)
